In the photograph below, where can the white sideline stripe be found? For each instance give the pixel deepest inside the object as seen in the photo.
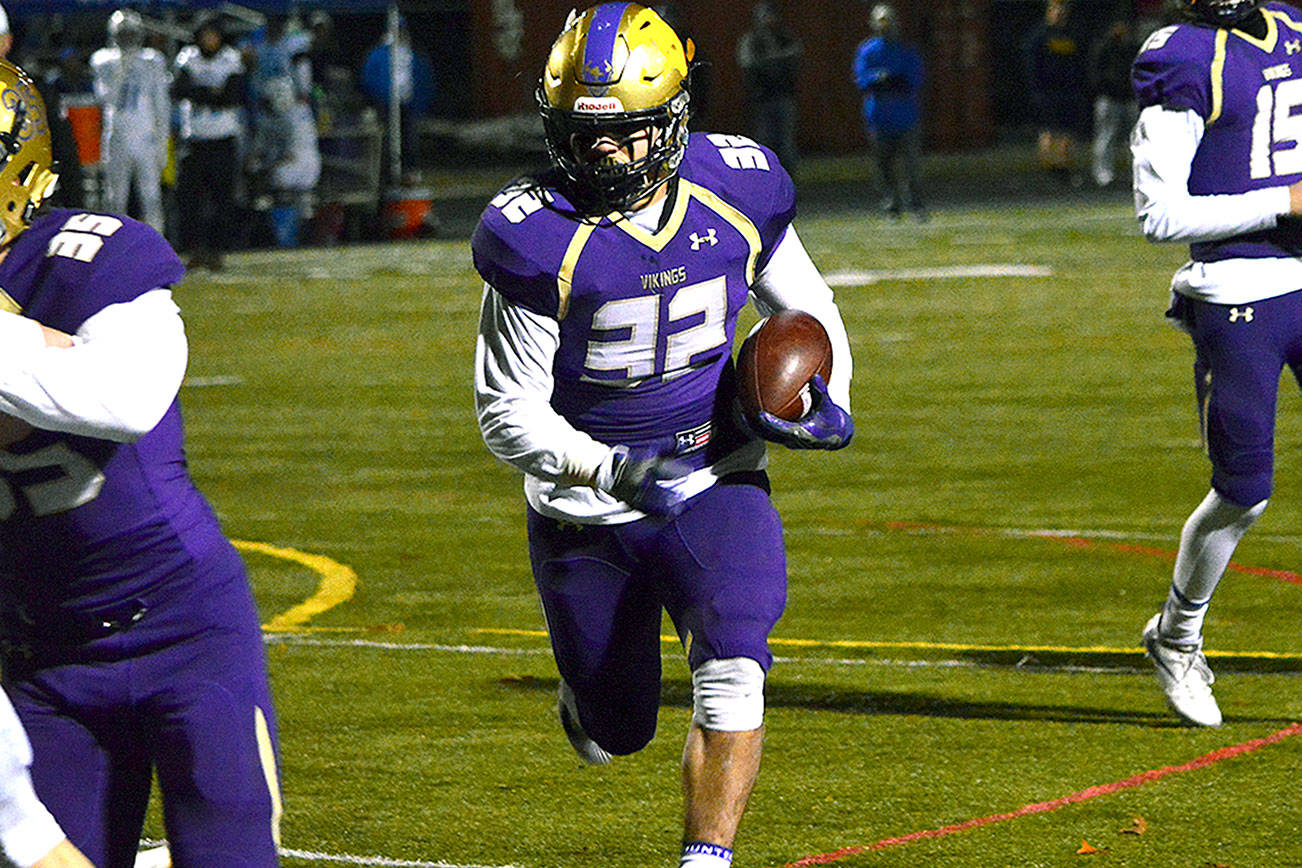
(217, 380)
(292, 639)
(859, 278)
(373, 860)
(286, 639)
(159, 850)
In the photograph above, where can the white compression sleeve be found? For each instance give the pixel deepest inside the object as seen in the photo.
(1207, 543)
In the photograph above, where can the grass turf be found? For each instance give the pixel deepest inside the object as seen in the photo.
(337, 419)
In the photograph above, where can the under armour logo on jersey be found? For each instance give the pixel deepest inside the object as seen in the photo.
(1236, 314)
(707, 238)
(1293, 46)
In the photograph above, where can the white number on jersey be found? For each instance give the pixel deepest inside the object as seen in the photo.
(1158, 38)
(739, 152)
(72, 480)
(517, 203)
(1277, 123)
(82, 236)
(633, 357)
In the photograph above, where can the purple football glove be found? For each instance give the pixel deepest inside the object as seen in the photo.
(825, 426)
(633, 474)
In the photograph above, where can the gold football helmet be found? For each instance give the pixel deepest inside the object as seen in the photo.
(26, 165)
(615, 70)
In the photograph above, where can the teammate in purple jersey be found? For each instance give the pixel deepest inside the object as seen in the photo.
(1218, 164)
(130, 640)
(614, 282)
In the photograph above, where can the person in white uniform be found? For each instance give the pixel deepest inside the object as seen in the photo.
(131, 85)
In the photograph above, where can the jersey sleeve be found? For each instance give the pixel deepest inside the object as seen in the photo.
(749, 177)
(509, 249)
(1173, 70)
(116, 266)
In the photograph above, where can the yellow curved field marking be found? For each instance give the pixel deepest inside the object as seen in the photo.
(338, 583)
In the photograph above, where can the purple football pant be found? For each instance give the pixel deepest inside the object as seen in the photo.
(719, 569)
(182, 693)
(1241, 350)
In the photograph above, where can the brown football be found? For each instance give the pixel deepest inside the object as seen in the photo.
(777, 361)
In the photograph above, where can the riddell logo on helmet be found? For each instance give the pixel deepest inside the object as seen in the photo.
(598, 104)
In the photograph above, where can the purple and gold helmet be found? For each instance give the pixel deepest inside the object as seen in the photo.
(26, 164)
(615, 69)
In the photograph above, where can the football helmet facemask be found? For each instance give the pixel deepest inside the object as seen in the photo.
(1222, 13)
(615, 71)
(26, 165)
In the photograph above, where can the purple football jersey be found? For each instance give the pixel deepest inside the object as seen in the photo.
(87, 523)
(1248, 92)
(647, 319)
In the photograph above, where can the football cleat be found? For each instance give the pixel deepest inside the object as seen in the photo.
(1185, 677)
(588, 750)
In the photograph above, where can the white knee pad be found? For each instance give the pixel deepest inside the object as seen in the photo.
(728, 695)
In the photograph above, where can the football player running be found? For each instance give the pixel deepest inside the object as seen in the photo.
(130, 641)
(604, 372)
(1216, 166)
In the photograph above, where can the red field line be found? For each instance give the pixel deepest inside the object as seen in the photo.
(1084, 542)
(1201, 762)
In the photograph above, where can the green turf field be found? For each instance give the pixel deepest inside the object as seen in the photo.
(968, 579)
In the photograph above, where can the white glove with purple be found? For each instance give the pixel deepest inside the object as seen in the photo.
(634, 475)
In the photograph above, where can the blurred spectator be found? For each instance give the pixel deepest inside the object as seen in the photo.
(278, 49)
(1114, 97)
(131, 86)
(889, 73)
(68, 89)
(209, 83)
(336, 98)
(768, 56)
(1056, 77)
(284, 160)
(6, 36)
(411, 75)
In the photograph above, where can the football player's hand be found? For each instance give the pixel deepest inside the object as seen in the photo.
(825, 426)
(634, 475)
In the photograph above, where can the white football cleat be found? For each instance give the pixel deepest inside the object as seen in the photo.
(1185, 677)
(587, 749)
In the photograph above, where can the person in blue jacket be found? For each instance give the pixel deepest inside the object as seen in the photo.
(889, 74)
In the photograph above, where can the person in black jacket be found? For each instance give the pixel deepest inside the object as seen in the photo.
(208, 85)
(1114, 99)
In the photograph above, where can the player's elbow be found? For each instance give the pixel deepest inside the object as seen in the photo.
(1157, 225)
(127, 425)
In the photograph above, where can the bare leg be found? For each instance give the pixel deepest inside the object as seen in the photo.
(719, 769)
(64, 855)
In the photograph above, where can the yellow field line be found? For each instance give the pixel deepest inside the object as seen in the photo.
(939, 646)
(338, 583)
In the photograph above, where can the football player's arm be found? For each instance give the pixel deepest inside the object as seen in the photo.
(791, 280)
(513, 389)
(1163, 145)
(114, 379)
